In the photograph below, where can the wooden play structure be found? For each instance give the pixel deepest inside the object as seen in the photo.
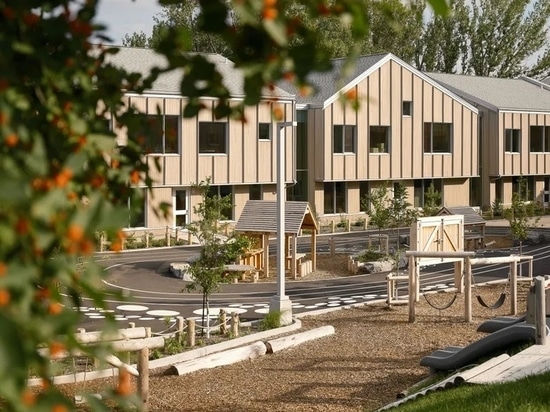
(440, 239)
(259, 221)
(474, 225)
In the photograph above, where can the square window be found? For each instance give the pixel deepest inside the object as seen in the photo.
(212, 137)
(160, 134)
(379, 139)
(407, 108)
(437, 137)
(264, 131)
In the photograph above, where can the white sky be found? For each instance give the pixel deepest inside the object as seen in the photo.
(127, 16)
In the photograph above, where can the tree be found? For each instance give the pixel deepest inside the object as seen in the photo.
(432, 201)
(486, 38)
(402, 212)
(62, 175)
(376, 205)
(217, 250)
(521, 214)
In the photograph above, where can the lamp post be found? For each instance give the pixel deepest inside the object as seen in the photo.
(280, 302)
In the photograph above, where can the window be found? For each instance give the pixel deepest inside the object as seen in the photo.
(223, 191)
(255, 192)
(264, 131)
(364, 190)
(379, 139)
(407, 108)
(422, 186)
(136, 211)
(437, 137)
(212, 137)
(344, 139)
(512, 140)
(335, 197)
(180, 207)
(160, 135)
(539, 139)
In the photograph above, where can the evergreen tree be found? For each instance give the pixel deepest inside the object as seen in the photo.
(432, 201)
(376, 205)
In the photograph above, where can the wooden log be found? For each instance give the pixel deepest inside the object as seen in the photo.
(143, 380)
(120, 334)
(540, 311)
(276, 345)
(219, 359)
(235, 324)
(117, 363)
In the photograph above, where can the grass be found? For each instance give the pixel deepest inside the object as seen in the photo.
(530, 394)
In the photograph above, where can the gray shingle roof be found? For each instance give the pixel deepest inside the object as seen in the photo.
(142, 60)
(260, 216)
(471, 217)
(497, 93)
(327, 84)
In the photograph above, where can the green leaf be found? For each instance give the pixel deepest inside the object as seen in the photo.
(12, 355)
(440, 7)
(277, 31)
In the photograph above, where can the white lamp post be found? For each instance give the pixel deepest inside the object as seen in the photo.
(280, 302)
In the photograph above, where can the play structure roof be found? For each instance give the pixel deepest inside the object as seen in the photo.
(471, 217)
(260, 216)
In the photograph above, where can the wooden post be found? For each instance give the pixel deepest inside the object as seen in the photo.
(223, 322)
(189, 237)
(314, 250)
(179, 333)
(167, 236)
(332, 227)
(293, 267)
(412, 288)
(235, 324)
(265, 243)
(467, 289)
(143, 378)
(459, 281)
(348, 225)
(514, 288)
(540, 311)
(191, 333)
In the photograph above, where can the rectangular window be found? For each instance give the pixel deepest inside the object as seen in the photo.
(335, 197)
(344, 139)
(437, 138)
(407, 108)
(160, 135)
(379, 139)
(223, 191)
(364, 190)
(180, 207)
(422, 186)
(212, 137)
(264, 131)
(255, 192)
(539, 139)
(512, 140)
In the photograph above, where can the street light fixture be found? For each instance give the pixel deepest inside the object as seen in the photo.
(280, 302)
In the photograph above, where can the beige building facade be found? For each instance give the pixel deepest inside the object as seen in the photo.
(514, 132)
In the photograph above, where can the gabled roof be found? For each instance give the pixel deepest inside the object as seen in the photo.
(498, 94)
(471, 217)
(142, 60)
(331, 84)
(260, 216)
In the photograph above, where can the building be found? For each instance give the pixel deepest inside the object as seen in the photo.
(514, 135)
(407, 128)
(239, 157)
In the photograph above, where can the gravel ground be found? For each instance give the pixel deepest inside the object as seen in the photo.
(373, 355)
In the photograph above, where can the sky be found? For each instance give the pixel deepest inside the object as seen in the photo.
(127, 16)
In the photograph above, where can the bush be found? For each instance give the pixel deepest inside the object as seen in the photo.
(272, 320)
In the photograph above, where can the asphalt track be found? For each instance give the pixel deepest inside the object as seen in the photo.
(154, 298)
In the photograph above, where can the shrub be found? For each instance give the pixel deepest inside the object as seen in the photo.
(272, 320)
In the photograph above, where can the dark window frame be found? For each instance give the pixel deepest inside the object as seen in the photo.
(512, 140)
(344, 139)
(219, 132)
(375, 144)
(432, 142)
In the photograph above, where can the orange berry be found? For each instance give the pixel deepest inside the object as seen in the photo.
(270, 3)
(63, 177)
(28, 397)
(270, 13)
(30, 19)
(59, 408)
(116, 245)
(80, 28)
(11, 140)
(323, 9)
(351, 94)
(3, 269)
(56, 349)
(75, 233)
(8, 13)
(97, 181)
(134, 177)
(4, 297)
(124, 387)
(289, 76)
(278, 113)
(3, 118)
(42, 293)
(86, 247)
(22, 226)
(55, 308)
(72, 196)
